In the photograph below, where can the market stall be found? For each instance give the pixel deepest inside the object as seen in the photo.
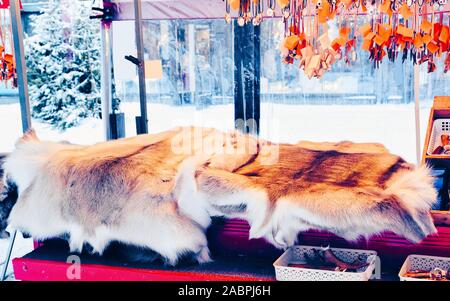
(397, 30)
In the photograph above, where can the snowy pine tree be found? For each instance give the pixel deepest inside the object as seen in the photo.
(63, 63)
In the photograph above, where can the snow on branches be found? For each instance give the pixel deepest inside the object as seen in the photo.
(63, 64)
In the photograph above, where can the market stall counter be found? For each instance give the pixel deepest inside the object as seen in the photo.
(236, 258)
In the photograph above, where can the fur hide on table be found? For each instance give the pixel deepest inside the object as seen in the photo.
(160, 191)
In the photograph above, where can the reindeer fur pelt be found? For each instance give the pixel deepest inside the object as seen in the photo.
(160, 191)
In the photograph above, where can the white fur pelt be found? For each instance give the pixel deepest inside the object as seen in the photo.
(113, 191)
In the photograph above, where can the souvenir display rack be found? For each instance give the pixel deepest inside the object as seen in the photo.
(407, 30)
(440, 110)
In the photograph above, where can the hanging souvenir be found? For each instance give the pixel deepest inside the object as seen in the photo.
(397, 30)
(8, 72)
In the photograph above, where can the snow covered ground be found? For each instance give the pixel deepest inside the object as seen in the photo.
(392, 125)
(22, 246)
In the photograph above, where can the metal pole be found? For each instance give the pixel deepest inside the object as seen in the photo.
(417, 111)
(106, 83)
(141, 67)
(8, 255)
(24, 100)
(417, 91)
(17, 30)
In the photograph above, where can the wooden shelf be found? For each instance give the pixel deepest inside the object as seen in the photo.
(440, 109)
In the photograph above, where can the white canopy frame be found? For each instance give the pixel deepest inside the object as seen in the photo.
(171, 9)
(19, 54)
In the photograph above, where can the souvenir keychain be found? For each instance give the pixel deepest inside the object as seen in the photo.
(350, 55)
(8, 67)
(2, 49)
(270, 8)
(432, 48)
(11, 73)
(228, 11)
(447, 59)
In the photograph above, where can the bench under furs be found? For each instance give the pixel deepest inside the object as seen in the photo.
(153, 192)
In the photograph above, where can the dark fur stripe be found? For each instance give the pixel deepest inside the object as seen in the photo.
(388, 173)
(250, 161)
(8, 199)
(230, 209)
(351, 180)
(321, 157)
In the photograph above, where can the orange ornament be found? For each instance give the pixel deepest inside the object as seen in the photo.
(443, 36)
(405, 11)
(370, 36)
(384, 31)
(283, 3)
(418, 41)
(427, 38)
(432, 47)
(378, 40)
(426, 26)
(405, 31)
(234, 4)
(385, 7)
(344, 32)
(366, 45)
(436, 30)
(291, 42)
(365, 29)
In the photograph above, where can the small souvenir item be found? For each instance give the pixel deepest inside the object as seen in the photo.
(447, 63)
(438, 150)
(8, 72)
(436, 274)
(241, 21)
(444, 148)
(325, 259)
(270, 8)
(228, 10)
(234, 4)
(418, 274)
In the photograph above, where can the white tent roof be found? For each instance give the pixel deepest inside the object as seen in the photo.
(172, 9)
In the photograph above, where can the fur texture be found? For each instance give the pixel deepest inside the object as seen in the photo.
(360, 190)
(8, 198)
(111, 191)
(159, 192)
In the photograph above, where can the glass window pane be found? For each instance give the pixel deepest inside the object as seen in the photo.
(10, 120)
(196, 85)
(62, 48)
(431, 84)
(353, 102)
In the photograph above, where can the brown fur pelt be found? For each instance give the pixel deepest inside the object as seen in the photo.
(160, 191)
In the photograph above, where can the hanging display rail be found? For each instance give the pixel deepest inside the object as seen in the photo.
(393, 29)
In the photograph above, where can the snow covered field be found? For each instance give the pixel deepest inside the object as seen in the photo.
(391, 125)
